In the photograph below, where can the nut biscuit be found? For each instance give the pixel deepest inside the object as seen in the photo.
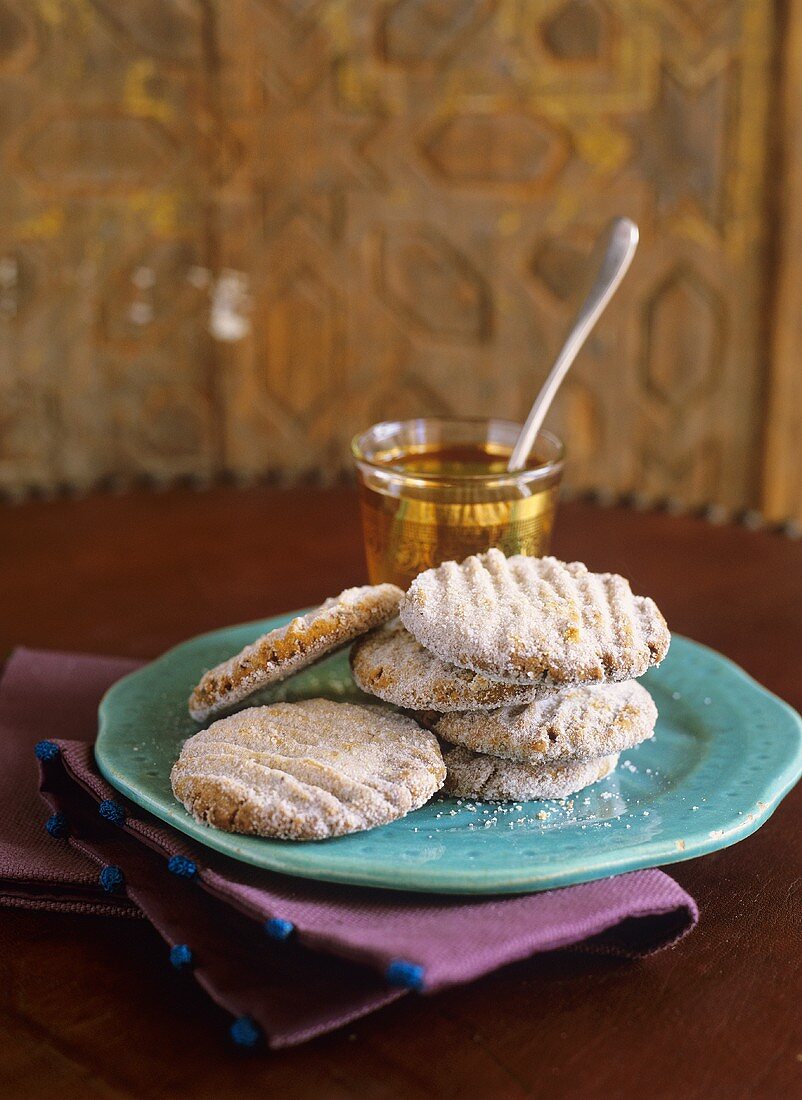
(527, 620)
(307, 770)
(474, 775)
(288, 649)
(575, 723)
(392, 665)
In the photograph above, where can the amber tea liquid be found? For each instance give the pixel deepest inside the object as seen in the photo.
(445, 504)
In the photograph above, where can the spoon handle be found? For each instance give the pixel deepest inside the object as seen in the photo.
(623, 241)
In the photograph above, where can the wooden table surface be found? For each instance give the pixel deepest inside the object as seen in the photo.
(87, 1005)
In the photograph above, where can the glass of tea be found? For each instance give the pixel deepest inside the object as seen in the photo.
(434, 490)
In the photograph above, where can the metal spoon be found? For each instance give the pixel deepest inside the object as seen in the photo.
(621, 245)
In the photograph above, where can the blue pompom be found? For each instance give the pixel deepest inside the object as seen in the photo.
(46, 750)
(112, 811)
(181, 956)
(279, 929)
(181, 866)
(112, 878)
(405, 974)
(57, 825)
(245, 1032)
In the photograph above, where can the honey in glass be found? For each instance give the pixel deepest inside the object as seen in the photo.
(435, 490)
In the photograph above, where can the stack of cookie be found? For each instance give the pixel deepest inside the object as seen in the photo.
(524, 666)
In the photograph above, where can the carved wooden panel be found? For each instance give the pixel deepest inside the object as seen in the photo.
(106, 142)
(240, 231)
(782, 460)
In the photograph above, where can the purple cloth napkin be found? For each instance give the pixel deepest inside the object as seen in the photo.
(289, 958)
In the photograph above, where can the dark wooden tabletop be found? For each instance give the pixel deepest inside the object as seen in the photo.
(87, 1006)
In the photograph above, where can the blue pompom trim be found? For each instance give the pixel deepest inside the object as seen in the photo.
(57, 825)
(112, 878)
(405, 974)
(112, 811)
(245, 1032)
(181, 866)
(181, 956)
(46, 750)
(279, 929)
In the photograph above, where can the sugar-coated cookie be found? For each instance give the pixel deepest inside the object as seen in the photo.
(394, 666)
(307, 770)
(290, 648)
(474, 775)
(523, 620)
(573, 723)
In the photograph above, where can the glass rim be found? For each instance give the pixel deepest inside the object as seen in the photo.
(551, 466)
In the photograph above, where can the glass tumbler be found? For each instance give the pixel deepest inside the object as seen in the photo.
(437, 489)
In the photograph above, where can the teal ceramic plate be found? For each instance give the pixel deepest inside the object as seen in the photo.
(725, 753)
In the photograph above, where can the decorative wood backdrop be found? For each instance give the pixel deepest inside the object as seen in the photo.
(236, 231)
